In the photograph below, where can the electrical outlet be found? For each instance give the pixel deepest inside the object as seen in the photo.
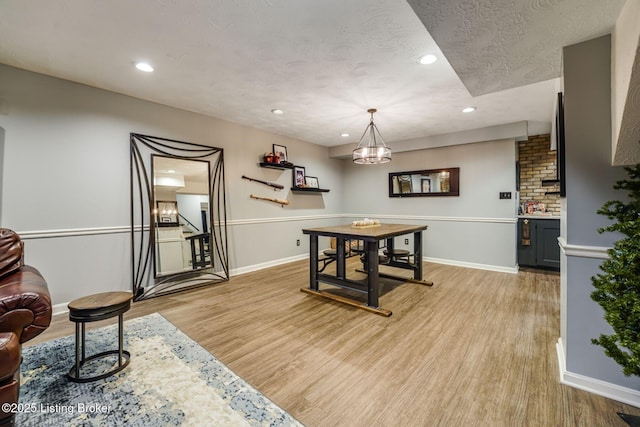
(505, 194)
(406, 241)
(298, 242)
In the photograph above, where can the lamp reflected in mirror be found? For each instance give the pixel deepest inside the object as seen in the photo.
(166, 213)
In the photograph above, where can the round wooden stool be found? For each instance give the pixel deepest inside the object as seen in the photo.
(396, 254)
(91, 309)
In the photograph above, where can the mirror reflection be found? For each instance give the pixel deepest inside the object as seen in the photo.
(182, 216)
(432, 182)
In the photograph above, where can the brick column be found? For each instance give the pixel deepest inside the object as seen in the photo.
(538, 163)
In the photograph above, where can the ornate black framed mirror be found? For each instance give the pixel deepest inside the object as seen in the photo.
(178, 216)
(425, 183)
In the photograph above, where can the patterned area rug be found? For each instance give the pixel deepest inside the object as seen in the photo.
(170, 380)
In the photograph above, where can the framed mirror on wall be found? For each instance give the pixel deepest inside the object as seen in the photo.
(178, 216)
(425, 183)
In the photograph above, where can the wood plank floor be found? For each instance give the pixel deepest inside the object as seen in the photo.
(476, 349)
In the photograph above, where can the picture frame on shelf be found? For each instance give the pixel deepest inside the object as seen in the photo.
(298, 176)
(281, 152)
(311, 182)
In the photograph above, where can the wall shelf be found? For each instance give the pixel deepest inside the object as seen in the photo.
(275, 166)
(306, 190)
(309, 190)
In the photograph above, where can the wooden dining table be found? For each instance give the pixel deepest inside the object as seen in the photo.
(371, 237)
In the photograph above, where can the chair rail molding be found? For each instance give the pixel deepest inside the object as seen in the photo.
(88, 231)
(583, 251)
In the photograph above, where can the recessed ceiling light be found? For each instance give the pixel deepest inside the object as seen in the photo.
(344, 135)
(469, 109)
(427, 59)
(171, 171)
(143, 66)
(277, 111)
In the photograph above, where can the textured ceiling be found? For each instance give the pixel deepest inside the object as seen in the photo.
(323, 62)
(495, 45)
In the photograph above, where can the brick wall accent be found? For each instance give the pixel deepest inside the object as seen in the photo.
(537, 163)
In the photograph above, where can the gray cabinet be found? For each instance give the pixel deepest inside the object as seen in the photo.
(538, 243)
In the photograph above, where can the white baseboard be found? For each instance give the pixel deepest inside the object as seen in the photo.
(273, 263)
(489, 267)
(60, 309)
(592, 385)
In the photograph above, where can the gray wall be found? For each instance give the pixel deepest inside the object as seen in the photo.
(590, 177)
(65, 179)
(65, 187)
(475, 228)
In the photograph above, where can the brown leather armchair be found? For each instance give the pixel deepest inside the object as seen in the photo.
(25, 311)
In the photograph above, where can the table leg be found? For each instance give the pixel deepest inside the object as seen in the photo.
(340, 258)
(193, 254)
(371, 248)
(313, 262)
(417, 255)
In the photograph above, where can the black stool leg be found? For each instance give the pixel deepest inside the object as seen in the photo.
(84, 344)
(120, 334)
(78, 349)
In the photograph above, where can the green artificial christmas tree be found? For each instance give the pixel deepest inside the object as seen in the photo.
(618, 286)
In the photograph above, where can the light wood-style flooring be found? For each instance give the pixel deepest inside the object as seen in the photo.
(476, 349)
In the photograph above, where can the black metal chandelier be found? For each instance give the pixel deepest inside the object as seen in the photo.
(371, 153)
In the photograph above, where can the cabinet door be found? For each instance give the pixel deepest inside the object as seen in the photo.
(526, 247)
(547, 248)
